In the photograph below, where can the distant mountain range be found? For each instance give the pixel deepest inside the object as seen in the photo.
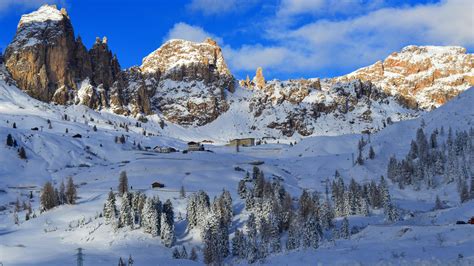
(189, 85)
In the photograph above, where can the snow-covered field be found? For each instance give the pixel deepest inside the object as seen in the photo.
(422, 236)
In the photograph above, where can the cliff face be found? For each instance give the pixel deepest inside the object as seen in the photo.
(41, 58)
(184, 81)
(189, 83)
(194, 79)
(421, 76)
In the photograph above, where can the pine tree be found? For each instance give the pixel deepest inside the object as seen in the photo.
(130, 260)
(48, 199)
(345, 233)
(371, 153)
(121, 262)
(176, 254)
(238, 245)
(438, 204)
(197, 209)
(123, 183)
(310, 233)
(294, 236)
(14, 125)
(16, 220)
(71, 192)
(464, 192)
(22, 153)
(193, 256)
(125, 218)
(62, 193)
(471, 190)
(9, 140)
(183, 253)
(150, 218)
(182, 192)
(110, 209)
(242, 189)
(167, 231)
(168, 211)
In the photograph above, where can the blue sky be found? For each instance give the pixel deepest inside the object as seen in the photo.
(288, 38)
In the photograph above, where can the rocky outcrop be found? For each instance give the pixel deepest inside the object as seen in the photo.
(259, 79)
(193, 81)
(421, 76)
(181, 60)
(41, 58)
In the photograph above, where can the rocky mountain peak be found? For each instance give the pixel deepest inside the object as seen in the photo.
(185, 60)
(421, 76)
(46, 13)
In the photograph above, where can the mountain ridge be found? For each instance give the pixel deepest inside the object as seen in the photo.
(189, 84)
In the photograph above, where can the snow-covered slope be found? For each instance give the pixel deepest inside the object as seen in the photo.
(95, 161)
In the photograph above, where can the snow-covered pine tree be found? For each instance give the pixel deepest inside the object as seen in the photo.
(125, 218)
(238, 245)
(345, 232)
(438, 203)
(150, 218)
(464, 192)
(391, 213)
(123, 183)
(252, 244)
(294, 235)
(168, 211)
(326, 214)
(167, 231)
(110, 209)
(471, 190)
(182, 193)
(71, 192)
(242, 189)
(310, 233)
(197, 209)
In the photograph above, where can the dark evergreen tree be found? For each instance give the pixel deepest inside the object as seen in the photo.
(71, 192)
(123, 183)
(9, 140)
(22, 153)
(193, 256)
(371, 153)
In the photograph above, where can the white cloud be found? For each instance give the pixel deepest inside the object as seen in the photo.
(6, 5)
(318, 7)
(188, 32)
(358, 41)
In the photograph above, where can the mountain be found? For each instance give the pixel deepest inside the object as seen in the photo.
(188, 84)
(422, 76)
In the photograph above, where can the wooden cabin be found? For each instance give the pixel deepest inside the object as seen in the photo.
(157, 185)
(195, 146)
(246, 142)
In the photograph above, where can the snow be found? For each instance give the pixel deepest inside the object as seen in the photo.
(43, 14)
(95, 161)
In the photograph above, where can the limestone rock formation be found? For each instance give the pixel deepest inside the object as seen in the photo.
(259, 79)
(41, 58)
(421, 76)
(193, 82)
